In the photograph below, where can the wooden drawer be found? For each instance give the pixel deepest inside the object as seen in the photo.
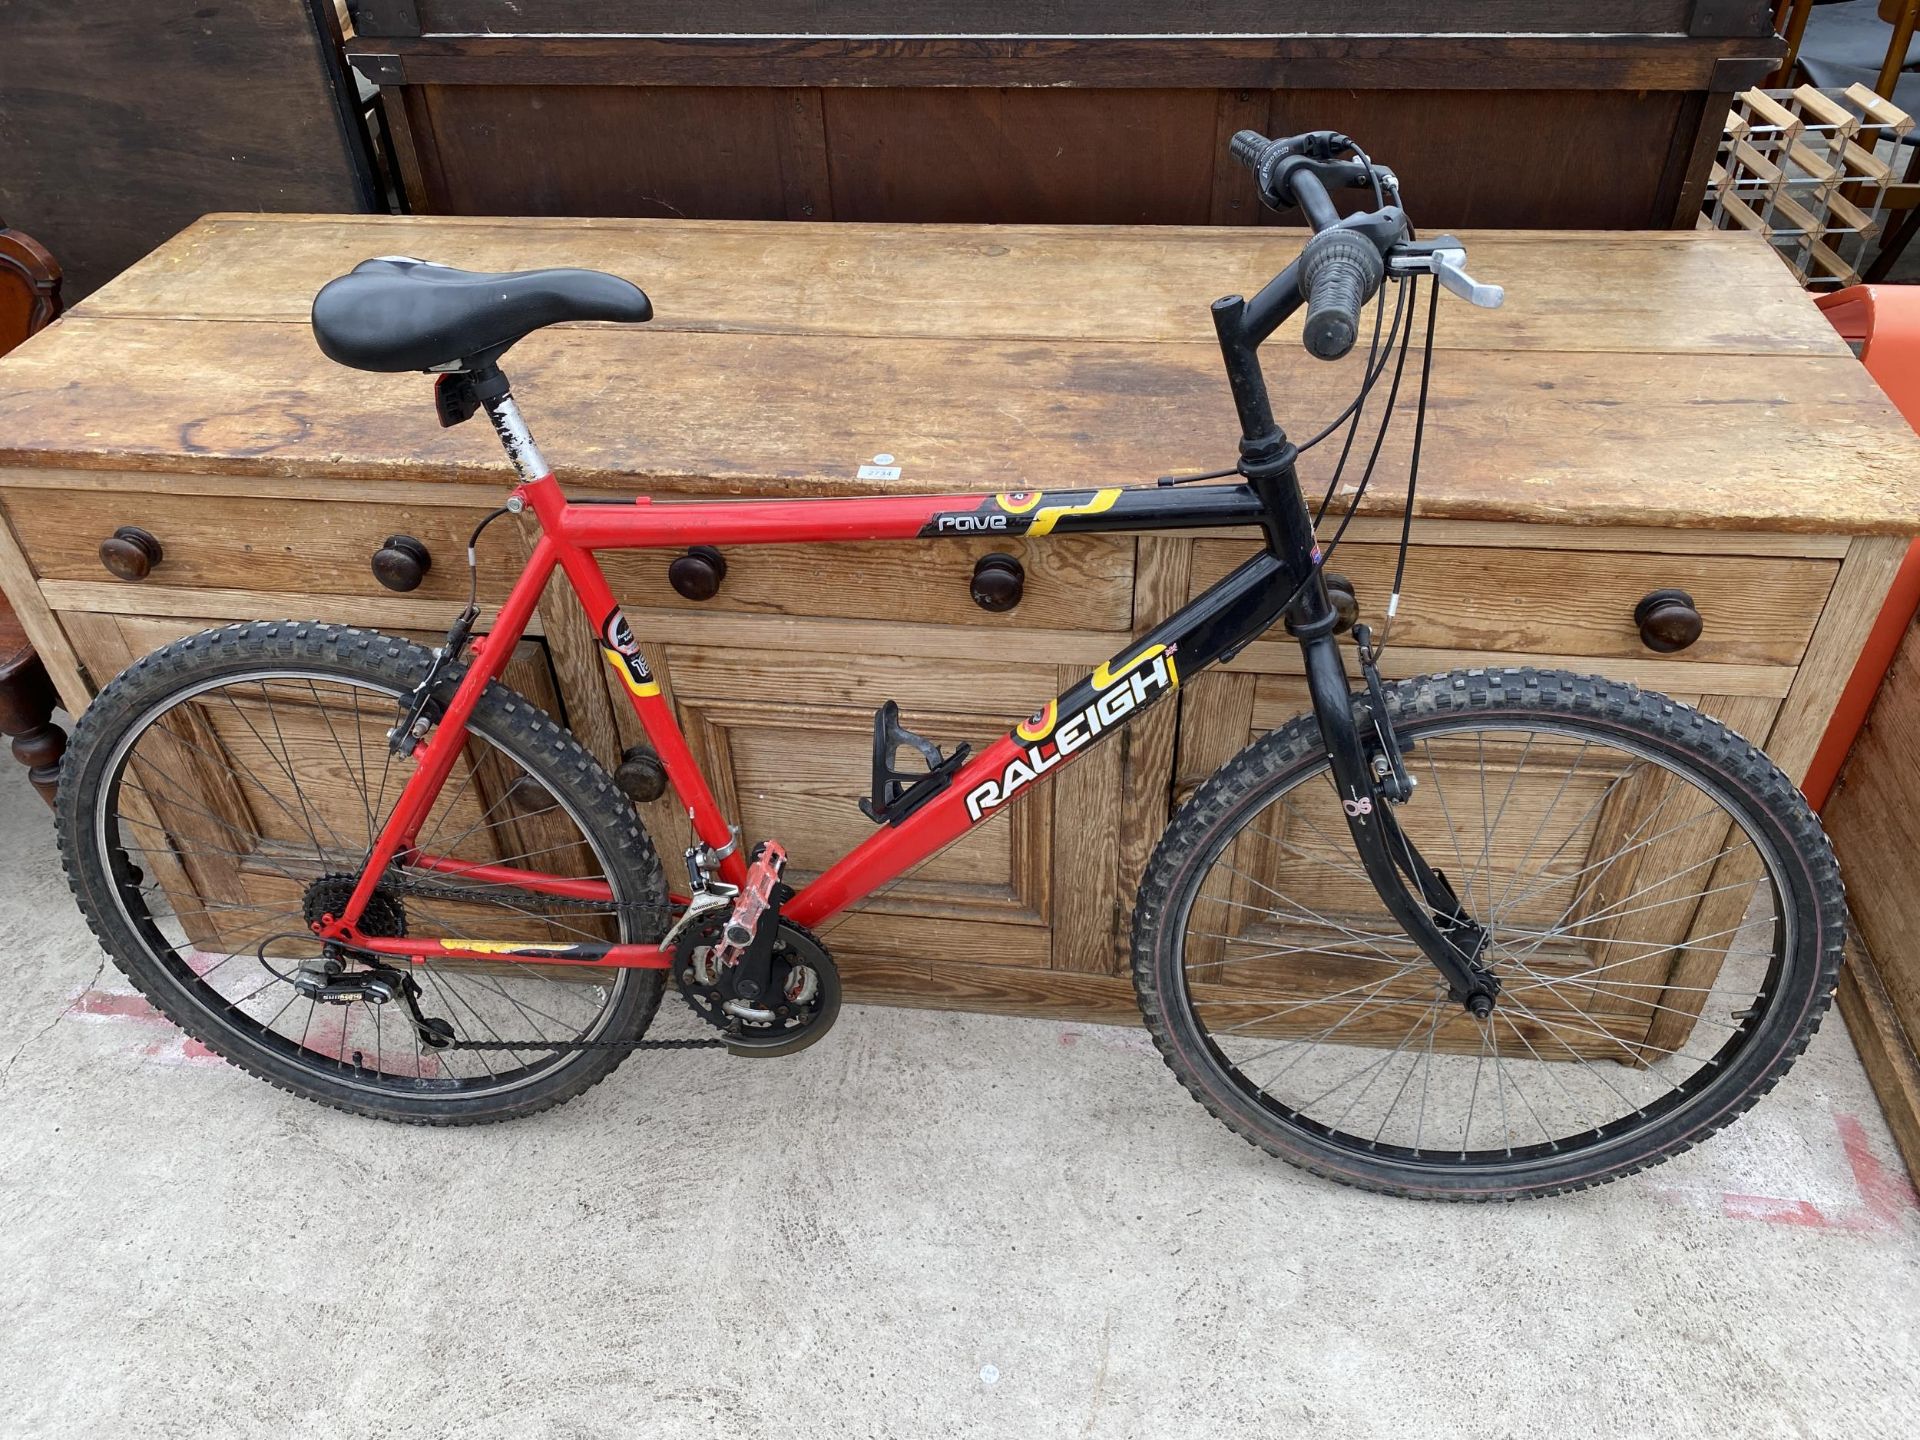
(264, 544)
(1077, 582)
(1757, 609)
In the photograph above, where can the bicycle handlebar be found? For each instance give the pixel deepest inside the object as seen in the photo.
(1340, 269)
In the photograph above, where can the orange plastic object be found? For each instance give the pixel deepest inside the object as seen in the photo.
(1885, 321)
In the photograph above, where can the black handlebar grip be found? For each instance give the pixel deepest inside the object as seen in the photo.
(1248, 146)
(1339, 271)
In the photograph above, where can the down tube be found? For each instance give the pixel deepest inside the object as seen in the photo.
(1215, 625)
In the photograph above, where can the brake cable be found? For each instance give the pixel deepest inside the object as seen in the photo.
(1413, 472)
(1396, 336)
(1404, 340)
(1379, 437)
(1375, 367)
(1373, 370)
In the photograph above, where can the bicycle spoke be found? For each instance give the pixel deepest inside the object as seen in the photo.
(1500, 905)
(1566, 1053)
(262, 798)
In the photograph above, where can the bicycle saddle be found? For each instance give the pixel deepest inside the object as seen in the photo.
(396, 313)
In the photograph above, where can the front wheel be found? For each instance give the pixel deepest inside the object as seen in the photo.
(1665, 918)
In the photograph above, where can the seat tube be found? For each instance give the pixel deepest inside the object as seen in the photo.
(621, 651)
(615, 637)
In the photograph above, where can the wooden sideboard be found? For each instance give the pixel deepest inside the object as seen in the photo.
(1590, 113)
(1648, 411)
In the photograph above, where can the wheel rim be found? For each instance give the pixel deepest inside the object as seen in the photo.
(249, 842)
(1328, 1019)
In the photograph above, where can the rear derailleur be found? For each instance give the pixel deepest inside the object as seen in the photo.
(327, 981)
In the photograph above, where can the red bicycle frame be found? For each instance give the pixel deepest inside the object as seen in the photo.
(1285, 577)
(1224, 618)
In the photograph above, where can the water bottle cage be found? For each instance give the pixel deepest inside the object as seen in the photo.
(898, 793)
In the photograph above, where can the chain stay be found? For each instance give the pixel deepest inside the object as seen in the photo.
(411, 885)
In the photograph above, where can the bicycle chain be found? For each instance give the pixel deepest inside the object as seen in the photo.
(571, 1045)
(408, 884)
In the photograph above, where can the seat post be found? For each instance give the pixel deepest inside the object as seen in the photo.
(493, 392)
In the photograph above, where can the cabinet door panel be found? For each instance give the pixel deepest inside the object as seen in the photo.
(787, 743)
(788, 764)
(211, 799)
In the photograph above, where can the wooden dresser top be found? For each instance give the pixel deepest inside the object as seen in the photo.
(1654, 378)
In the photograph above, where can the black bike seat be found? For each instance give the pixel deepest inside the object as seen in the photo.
(396, 313)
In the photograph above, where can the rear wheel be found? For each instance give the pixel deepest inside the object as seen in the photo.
(1665, 919)
(223, 792)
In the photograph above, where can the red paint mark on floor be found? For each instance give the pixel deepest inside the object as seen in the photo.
(1883, 1193)
(115, 1005)
(325, 1036)
(1774, 1211)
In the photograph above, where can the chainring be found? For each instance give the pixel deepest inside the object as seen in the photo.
(804, 979)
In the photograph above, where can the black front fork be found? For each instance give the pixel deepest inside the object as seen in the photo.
(1434, 917)
(1416, 894)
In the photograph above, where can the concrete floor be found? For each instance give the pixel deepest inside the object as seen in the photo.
(930, 1225)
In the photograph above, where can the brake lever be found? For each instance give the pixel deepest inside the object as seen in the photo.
(1449, 270)
(1445, 259)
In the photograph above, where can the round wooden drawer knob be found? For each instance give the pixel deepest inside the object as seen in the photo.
(1346, 604)
(401, 563)
(1668, 621)
(697, 574)
(998, 582)
(130, 553)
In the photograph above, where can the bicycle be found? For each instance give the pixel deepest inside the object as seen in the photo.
(1357, 945)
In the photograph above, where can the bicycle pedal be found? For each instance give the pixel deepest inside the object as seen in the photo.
(756, 910)
(898, 793)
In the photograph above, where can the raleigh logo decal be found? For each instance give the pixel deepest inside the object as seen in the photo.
(1103, 701)
(623, 653)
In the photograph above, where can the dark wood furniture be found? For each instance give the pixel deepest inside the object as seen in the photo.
(127, 119)
(30, 299)
(1649, 412)
(1572, 113)
(27, 703)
